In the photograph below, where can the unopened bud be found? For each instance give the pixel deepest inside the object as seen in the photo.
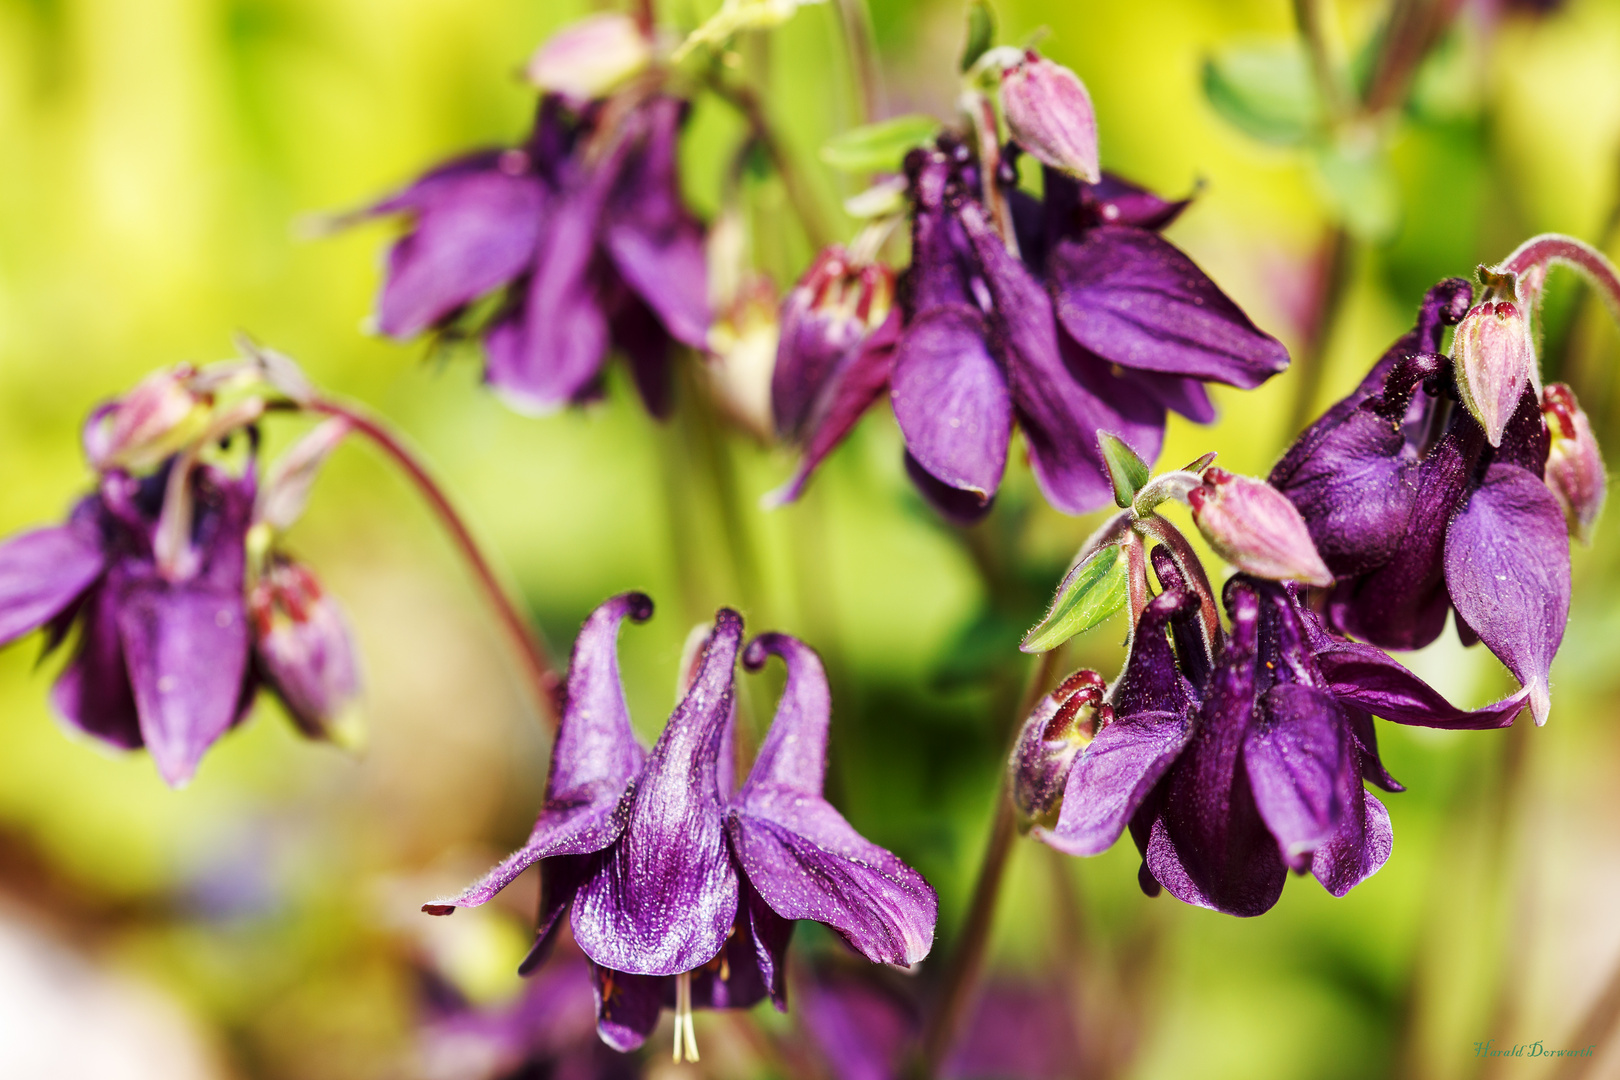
(154, 420)
(1494, 355)
(1051, 116)
(828, 314)
(1062, 724)
(742, 356)
(1574, 465)
(591, 57)
(1256, 528)
(304, 652)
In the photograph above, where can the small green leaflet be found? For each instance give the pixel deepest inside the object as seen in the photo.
(878, 147)
(981, 33)
(1126, 470)
(1265, 90)
(1093, 591)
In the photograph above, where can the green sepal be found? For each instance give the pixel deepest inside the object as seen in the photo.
(1266, 91)
(981, 33)
(1090, 593)
(878, 147)
(1126, 470)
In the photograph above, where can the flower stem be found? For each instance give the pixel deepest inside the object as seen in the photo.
(1550, 249)
(968, 957)
(1311, 17)
(539, 671)
(805, 208)
(856, 19)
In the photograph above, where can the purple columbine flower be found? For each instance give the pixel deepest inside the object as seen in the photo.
(162, 657)
(1097, 325)
(1234, 765)
(1417, 514)
(582, 233)
(682, 890)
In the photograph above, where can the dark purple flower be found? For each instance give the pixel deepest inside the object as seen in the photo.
(1416, 514)
(1234, 766)
(581, 231)
(1100, 326)
(162, 655)
(683, 891)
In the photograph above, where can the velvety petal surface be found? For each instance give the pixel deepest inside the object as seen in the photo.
(664, 897)
(43, 572)
(594, 760)
(93, 693)
(798, 852)
(627, 1006)
(950, 399)
(1507, 570)
(1360, 847)
(1300, 759)
(1136, 300)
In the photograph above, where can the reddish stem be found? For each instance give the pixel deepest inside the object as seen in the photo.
(1540, 252)
(538, 669)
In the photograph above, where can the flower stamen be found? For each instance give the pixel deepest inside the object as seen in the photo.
(685, 1035)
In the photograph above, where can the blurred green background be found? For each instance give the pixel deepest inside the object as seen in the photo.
(155, 159)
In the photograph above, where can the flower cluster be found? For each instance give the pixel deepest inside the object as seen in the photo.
(681, 886)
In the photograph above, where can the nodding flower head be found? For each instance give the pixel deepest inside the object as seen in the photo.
(303, 651)
(681, 887)
(1575, 470)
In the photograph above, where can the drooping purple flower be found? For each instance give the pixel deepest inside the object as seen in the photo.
(1097, 325)
(162, 654)
(302, 650)
(1417, 514)
(583, 234)
(682, 891)
(1234, 766)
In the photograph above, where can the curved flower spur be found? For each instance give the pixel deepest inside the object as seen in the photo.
(1069, 315)
(1233, 755)
(683, 891)
(172, 574)
(1454, 483)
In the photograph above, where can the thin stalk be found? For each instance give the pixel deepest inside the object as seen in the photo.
(646, 17)
(856, 20)
(539, 671)
(1553, 249)
(1312, 16)
(967, 960)
(1310, 362)
(805, 207)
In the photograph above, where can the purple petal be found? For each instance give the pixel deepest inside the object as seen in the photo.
(799, 853)
(1151, 682)
(1360, 847)
(1112, 778)
(1372, 769)
(186, 649)
(950, 399)
(654, 242)
(664, 898)
(43, 572)
(860, 1025)
(1507, 570)
(560, 878)
(1136, 300)
(1116, 201)
(595, 757)
(849, 392)
(1186, 396)
(627, 1006)
(953, 504)
(646, 345)
(938, 276)
(473, 232)
(753, 963)
(546, 353)
(93, 693)
(1301, 765)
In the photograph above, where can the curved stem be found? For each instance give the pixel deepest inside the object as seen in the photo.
(745, 101)
(1548, 249)
(1191, 568)
(856, 19)
(968, 957)
(540, 672)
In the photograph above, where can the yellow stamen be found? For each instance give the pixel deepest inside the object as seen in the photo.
(685, 1036)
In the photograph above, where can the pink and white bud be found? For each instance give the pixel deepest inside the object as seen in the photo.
(1061, 725)
(154, 420)
(591, 57)
(1256, 528)
(1494, 355)
(305, 653)
(1051, 116)
(1574, 465)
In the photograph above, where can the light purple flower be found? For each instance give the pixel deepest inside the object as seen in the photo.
(682, 891)
(583, 234)
(1416, 514)
(1234, 768)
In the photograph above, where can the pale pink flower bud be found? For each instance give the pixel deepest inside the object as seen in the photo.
(1051, 116)
(304, 652)
(1494, 356)
(1574, 465)
(1255, 527)
(154, 420)
(591, 57)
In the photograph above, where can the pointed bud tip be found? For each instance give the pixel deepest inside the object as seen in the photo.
(1050, 114)
(1495, 357)
(1256, 528)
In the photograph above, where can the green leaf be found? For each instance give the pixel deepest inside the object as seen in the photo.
(1265, 91)
(878, 147)
(981, 33)
(1127, 471)
(1356, 178)
(1093, 591)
